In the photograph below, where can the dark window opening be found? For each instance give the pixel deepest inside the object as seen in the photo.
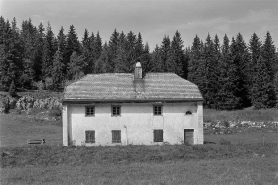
(188, 113)
(116, 110)
(188, 136)
(157, 110)
(90, 111)
(116, 136)
(90, 136)
(158, 135)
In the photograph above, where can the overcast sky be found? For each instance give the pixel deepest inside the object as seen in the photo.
(152, 18)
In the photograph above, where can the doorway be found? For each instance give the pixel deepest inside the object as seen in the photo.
(189, 136)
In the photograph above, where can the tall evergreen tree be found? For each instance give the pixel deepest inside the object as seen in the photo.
(156, 60)
(75, 66)
(112, 51)
(48, 52)
(165, 53)
(263, 90)
(241, 58)
(195, 56)
(176, 60)
(72, 44)
(268, 55)
(103, 60)
(58, 70)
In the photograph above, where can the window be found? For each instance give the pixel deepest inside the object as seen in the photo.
(188, 113)
(116, 136)
(90, 111)
(116, 110)
(157, 109)
(158, 135)
(90, 136)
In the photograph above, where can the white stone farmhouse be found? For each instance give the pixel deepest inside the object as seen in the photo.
(122, 109)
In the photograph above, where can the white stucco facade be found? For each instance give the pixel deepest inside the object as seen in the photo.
(136, 123)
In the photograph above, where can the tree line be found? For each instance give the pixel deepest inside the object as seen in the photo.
(231, 75)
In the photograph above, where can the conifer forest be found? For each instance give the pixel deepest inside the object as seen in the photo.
(234, 74)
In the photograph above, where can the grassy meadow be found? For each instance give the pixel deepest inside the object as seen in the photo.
(242, 158)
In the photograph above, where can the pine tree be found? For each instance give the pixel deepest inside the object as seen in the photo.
(10, 56)
(263, 90)
(175, 63)
(165, 53)
(195, 56)
(228, 79)
(241, 58)
(139, 46)
(102, 61)
(74, 68)
(61, 39)
(268, 55)
(48, 52)
(112, 52)
(156, 59)
(38, 61)
(72, 44)
(28, 36)
(255, 51)
(58, 70)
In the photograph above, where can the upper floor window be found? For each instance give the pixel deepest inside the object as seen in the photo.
(157, 109)
(90, 111)
(188, 113)
(116, 110)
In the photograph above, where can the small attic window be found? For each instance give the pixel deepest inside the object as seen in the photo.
(188, 112)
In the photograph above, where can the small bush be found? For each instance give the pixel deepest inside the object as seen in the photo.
(223, 141)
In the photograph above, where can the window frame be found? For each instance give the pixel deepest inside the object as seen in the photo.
(90, 107)
(94, 138)
(155, 111)
(155, 138)
(188, 113)
(118, 140)
(112, 112)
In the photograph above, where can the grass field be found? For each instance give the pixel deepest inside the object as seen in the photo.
(250, 159)
(227, 171)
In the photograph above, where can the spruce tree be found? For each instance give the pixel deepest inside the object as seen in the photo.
(75, 66)
(48, 52)
(72, 44)
(38, 61)
(112, 51)
(165, 53)
(268, 55)
(195, 55)
(175, 63)
(103, 60)
(156, 60)
(58, 70)
(241, 58)
(263, 90)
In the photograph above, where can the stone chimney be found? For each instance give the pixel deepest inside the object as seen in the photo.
(138, 71)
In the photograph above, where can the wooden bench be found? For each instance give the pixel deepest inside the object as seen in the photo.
(35, 141)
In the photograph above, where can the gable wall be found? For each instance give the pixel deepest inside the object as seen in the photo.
(136, 123)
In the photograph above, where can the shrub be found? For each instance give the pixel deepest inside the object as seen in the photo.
(12, 92)
(223, 141)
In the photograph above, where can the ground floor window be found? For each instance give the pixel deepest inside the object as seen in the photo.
(116, 136)
(90, 136)
(158, 135)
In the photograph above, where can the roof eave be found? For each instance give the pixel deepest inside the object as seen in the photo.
(86, 101)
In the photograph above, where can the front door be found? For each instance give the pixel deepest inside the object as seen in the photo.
(189, 136)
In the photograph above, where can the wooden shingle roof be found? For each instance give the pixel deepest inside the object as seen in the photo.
(123, 87)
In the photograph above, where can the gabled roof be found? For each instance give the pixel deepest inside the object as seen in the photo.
(123, 87)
